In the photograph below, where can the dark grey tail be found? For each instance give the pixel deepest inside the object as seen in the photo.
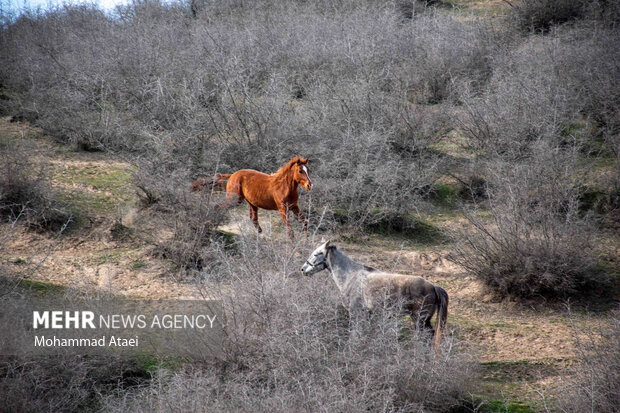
(442, 314)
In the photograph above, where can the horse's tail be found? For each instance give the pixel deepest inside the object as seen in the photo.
(442, 315)
(217, 183)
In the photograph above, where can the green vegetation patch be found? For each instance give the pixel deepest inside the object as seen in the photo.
(150, 363)
(228, 238)
(30, 286)
(504, 382)
(507, 371)
(88, 202)
(138, 264)
(43, 288)
(507, 406)
(121, 232)
(97, 189)
(113, 256)
(110, 179)
(418, 230)
(444, 195)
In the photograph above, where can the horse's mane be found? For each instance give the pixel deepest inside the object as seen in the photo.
(283, 172)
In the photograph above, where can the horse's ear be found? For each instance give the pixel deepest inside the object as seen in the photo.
(327, 244)
(304, 160)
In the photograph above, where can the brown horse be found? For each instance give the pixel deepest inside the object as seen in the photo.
(277, 191)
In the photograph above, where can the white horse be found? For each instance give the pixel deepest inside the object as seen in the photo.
(363, 287)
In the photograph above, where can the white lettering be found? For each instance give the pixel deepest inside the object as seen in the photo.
(87, 319)
(75, 319)
(57, 319)
(40, 318)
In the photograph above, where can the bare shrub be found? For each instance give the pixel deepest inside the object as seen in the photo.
(536, 242)
(593, 384)
(26, 194)
(61, 89)
(544, 90)
(445, 53)
(540, 15)
(369, 85)
(188, 221)
(235, 86)
(289, 347)
(61, 383)
(551, 100)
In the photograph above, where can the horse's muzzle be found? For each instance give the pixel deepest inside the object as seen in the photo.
(306, 268)
(309, 186)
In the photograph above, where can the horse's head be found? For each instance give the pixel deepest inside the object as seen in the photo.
(301, 173)
(317, 261)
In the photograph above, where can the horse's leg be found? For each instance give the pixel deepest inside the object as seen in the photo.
(420, 320)
(424, 321)
(428, 326)
(342, 317)
(232, 199)
(254, 216)
(284, 214)
(234, 195)
(301, 217)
